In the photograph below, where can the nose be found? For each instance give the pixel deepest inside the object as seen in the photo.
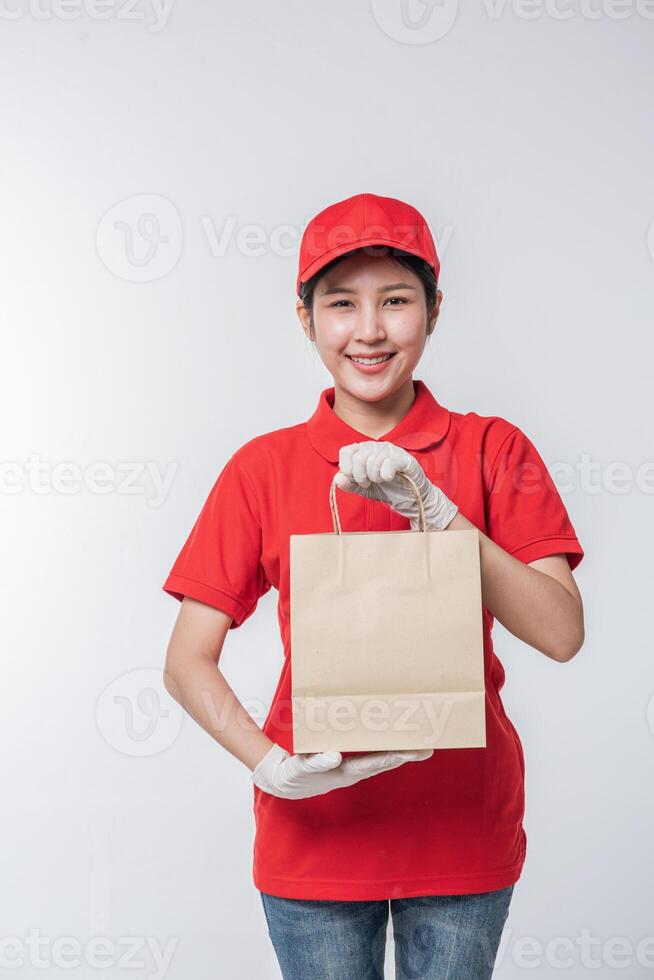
(369, 327)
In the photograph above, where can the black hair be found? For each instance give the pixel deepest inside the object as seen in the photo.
(412, 262)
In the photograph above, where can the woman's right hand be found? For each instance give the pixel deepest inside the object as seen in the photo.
(295, 777)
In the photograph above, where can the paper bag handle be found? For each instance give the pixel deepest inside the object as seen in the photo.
(334, 508)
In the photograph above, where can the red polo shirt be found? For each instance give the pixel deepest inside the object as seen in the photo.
(451, 824)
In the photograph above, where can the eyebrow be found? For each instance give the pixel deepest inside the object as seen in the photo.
(384, 289)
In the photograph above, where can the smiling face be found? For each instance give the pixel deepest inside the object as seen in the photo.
(367, 307)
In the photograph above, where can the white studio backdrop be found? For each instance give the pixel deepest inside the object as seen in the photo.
(160, 161)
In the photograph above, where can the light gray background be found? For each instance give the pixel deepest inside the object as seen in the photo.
(526, 139)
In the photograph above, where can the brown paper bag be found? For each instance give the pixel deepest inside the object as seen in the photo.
(386, 639)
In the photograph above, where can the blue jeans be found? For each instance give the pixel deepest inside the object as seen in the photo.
(437, 937)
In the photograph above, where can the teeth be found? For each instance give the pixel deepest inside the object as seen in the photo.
(371, 360)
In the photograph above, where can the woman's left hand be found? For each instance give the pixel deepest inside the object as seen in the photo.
(370, 469)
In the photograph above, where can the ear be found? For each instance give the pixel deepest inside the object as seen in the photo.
(304, 316)
(435, 312)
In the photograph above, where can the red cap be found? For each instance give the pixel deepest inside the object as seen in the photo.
(365, 219)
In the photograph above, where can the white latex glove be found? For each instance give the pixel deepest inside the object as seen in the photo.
(370, 469)
(295, 777)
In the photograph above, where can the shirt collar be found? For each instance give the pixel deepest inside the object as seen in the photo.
(425, 424)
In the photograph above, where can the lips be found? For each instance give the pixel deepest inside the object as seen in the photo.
(368, 366)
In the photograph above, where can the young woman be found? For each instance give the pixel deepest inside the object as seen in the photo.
(434, 838)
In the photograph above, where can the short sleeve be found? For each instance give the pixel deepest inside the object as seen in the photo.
(525, 514)
(220, 563)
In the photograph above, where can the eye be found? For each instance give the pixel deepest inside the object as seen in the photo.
(401, 299)
(339, 301)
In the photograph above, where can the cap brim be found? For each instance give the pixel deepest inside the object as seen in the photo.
(345, 247)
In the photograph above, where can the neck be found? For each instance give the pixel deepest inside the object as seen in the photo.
(374, 418)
